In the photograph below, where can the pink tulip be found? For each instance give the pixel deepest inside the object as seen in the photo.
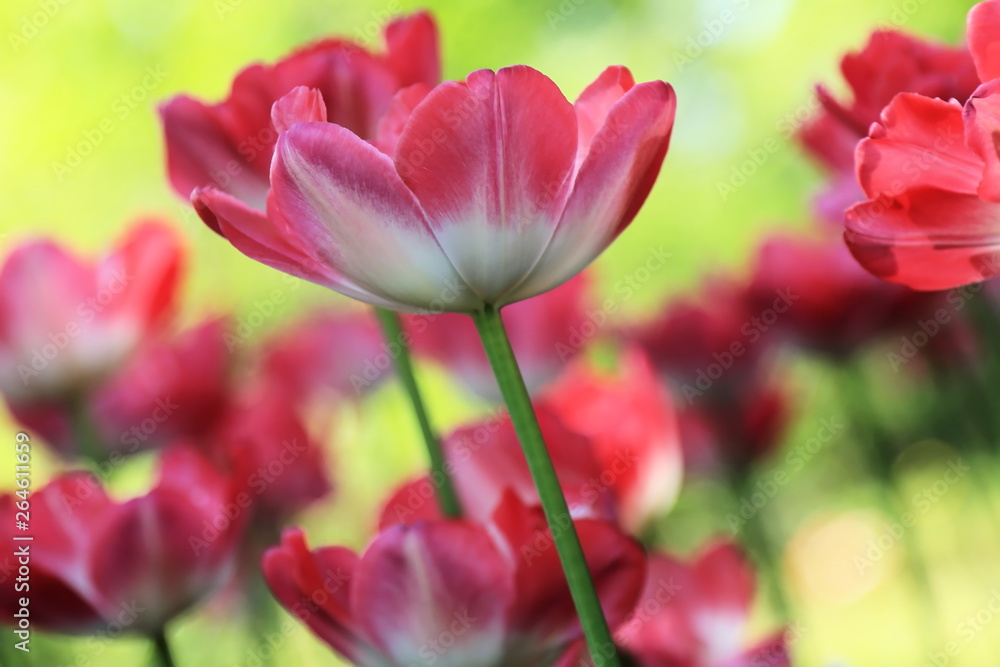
(487, 191)
(453, 593)
(65, 322)
(100, 564)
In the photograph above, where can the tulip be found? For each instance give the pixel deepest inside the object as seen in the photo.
(134, 565)
(452, 593)
(484, 192)
(229, 145)
(545, 332)
(630, 420)
(66, 323)
(891, 62)
(930, 171)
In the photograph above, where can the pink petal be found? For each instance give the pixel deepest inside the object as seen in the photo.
(489, 159)
(344, 199)
(391, 127)
(595, 102)
(412, 49)
(301, 105)
(982, 128)
(201, 152)
(613, 182)
(982, 30)
(927, 239)
(150, 260)
(315, 587)
(920, 142)
(431, 581)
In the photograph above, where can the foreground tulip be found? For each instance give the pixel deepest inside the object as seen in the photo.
(630, 420)
(484, 192)
(133, 566)
(65, 323)
(891, 63)
(453, 593)
(697, 613)
(545, 332)
(932, 176)
(229, 145)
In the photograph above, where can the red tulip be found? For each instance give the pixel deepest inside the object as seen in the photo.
(65, 323)
(891, 63)
(97, 563)
(172, 388)
(697, 614)
(487, 191)
(932, 176)
(486, 462)
(343, 353)
(545, 332)
(453, 593)
(629, 418)
(229, 145)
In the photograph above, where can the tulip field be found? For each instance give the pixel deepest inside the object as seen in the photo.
(573, 333)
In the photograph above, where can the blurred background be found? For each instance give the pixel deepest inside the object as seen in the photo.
(92, 73)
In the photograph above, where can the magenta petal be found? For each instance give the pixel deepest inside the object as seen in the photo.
(301, 105)
(982, 130)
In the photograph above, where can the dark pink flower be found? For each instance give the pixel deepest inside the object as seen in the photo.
(486, 191)
(229, 145)
(98, 562)
(931, 172)
(66, 322)
(455, 593)
(545, 333)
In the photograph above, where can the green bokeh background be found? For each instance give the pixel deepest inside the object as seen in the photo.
(73, 70)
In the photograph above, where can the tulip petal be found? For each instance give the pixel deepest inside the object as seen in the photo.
(613, 182)
(419, 585)
(595, 102)
(982, 30)
(412, 49)
(343, 198)
(490, 159)
(391, 127)
(982, 131)
(920, 143)
(927, 239)
(301, 105)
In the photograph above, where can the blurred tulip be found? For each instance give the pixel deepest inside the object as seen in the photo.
(66, 323)
(487, 462)
(453, 593)
(339, 352)
(172, 388)
(545, 332)
(482, 192)
(696, 614)
(931, 173)
(229, 145)
(630, 421)
(97, 563)
(892, 62)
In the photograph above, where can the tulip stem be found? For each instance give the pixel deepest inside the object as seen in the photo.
(163, 654)
(446, 494)
(522, 414)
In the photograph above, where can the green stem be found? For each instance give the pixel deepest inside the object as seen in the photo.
(522, 414)
(164, 658)
(446, 494)
(89, 442)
